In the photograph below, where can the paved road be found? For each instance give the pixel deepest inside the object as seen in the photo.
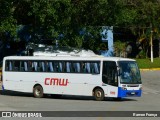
(150, 101)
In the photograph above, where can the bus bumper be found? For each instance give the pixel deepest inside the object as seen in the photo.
(129, 93)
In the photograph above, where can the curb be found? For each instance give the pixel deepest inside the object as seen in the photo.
(149, 69)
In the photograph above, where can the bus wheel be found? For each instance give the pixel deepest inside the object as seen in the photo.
(99, 94)
(38, 91)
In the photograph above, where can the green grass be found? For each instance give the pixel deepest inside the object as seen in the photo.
(146, 63)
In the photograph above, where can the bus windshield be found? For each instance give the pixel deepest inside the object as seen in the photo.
(129, 72)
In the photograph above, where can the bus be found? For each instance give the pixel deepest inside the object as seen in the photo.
(95, 76)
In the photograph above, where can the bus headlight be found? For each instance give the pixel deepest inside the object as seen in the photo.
(123, 88)
(140, 88)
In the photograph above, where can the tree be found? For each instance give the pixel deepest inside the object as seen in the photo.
(147, 20)
(65, 20)
(141, 17)
(7, 21)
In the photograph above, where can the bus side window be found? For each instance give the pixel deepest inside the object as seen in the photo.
(25, 66)
(56, 66)
(39, 66)
(68, 67)
(50, 65)
(88, 67)
(30, 66)
(78, 67)
(21, 66)
(35, 66)
(96, 68)
(7, 65)
(10, 65)
(74, 67)
(47, 66)
(43, 66)
(83, 67)
(92, 68)
(16, 65)
(60, 67)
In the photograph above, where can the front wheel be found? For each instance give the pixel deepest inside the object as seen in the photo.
(99, 94)
(38, 91)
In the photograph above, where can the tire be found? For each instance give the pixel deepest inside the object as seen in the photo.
(38, 91)
(99, 94)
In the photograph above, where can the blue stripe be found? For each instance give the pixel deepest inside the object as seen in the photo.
(2, 87)
(129, 93)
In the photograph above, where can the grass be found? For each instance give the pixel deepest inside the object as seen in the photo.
(146, 63)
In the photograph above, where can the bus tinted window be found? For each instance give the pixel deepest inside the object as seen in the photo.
(16, 65)
(95, 67)
(30, 66)
(57, 66)
(23, 66)
(9, 66)
(83, 67)
(76, 66)
(68, 67)
(89, 67)
(50, 67)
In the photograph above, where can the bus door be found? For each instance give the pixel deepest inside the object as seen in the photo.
(110, 78)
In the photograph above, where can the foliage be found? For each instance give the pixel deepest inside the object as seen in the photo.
(141, 54)
(7, 21)
(145, 63)
(52, 18)
(120, 48)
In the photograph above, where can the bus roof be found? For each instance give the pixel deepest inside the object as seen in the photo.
(98, 57)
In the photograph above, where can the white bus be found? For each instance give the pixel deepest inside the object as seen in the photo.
(70, 75)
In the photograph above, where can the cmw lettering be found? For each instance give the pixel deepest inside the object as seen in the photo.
(56, 81)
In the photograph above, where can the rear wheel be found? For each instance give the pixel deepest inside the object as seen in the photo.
(38, 91)
(99, 94)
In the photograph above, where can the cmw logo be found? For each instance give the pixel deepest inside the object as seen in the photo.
(56, 81)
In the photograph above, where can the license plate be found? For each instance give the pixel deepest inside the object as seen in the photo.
(132, 93)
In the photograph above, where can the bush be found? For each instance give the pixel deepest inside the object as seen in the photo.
(141, 54)
(146, 63)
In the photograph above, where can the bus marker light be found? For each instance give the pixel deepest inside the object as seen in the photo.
(112, 92)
